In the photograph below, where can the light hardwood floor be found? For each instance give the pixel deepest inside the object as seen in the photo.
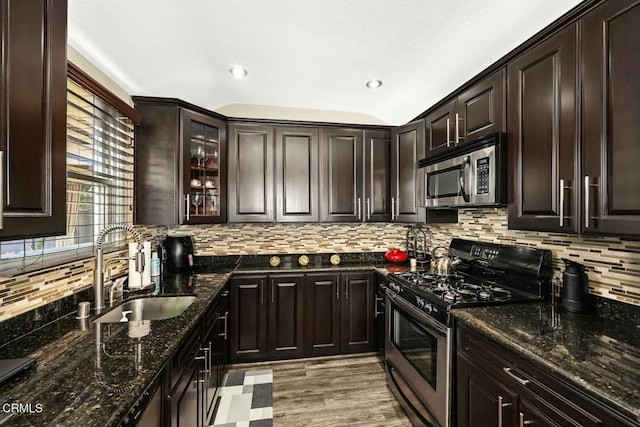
(335, 391)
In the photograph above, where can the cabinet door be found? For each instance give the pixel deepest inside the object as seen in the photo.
(33, 118)
(358, 333)
(407, 147)
(542, 136)
(248, 319)
(440, 129)
(204, 162)
(377, 176)
(297, 195)
(482, 399)
(322, 315)
(611, 118)
(482, 108)
(286, 307)
(341, 175)
(250, 173)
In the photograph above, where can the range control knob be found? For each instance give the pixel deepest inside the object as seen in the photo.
(420, 302)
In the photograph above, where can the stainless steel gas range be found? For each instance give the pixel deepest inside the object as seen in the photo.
(419, 338)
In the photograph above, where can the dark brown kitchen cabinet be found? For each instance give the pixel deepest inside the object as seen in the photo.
(358, 311)
(286, 323)
(543, 137)
(476, 112)
(497, 387)
(251, 173)
(33, 118)
(482, 108)
(184, 400)
(610, 119)
(341, 175)
(322, 314)
(377, 179)
(213, 351)
(407, 147)
(438, 125)
(180, 164)
(297, 174)
(266, 317)
(249, 317)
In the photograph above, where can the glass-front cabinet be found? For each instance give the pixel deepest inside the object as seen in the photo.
(180, 163)
(204, 178)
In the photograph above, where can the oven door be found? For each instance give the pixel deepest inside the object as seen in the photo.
(418, 354)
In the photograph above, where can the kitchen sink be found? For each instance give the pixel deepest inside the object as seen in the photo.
(152, 308)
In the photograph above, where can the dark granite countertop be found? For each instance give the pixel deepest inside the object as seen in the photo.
(92, 374)
(598, 356)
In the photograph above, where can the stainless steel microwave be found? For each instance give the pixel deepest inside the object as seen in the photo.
(473, 174)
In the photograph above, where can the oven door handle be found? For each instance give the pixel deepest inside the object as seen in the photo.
(415, 313)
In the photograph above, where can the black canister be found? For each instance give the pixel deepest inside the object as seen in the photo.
(575, 287)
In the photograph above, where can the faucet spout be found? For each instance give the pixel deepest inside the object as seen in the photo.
(98, 274)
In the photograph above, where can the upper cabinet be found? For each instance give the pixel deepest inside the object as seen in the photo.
(562, 179)
(476, 112)
(377, 176)
(543, 162)
(611, 119)
(251, 166)
(180, 164)
(407, 147)
(341, 175)
(297, 174)
(33, 118)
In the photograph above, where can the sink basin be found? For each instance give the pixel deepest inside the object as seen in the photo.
(156, 308)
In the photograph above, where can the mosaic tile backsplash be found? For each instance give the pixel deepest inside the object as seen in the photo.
(613, 264)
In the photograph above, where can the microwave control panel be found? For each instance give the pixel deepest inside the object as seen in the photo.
(482, 181)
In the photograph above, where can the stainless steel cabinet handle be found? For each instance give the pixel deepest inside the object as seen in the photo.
(368, 208)
(1, 188)
(337, 291)
(501, 405)
(346, 289)
(273, 285)
(225, 317)
(514, 376)
(359, 209)
(562, 203)
(262, 285)
(457, 129)
(393, 208)
(522, 422)
(448, 124)
(188, 204)
(586, 201)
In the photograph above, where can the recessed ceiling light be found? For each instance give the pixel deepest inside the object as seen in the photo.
(238, 72)
(372, 84)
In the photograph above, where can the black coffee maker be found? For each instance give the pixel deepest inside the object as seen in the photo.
(179, 250)
(575, 287)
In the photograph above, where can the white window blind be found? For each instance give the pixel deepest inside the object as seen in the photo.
(100, 149)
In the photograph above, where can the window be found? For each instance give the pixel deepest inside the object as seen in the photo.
(100, 149)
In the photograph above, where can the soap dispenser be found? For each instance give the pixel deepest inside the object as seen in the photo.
(575, 287)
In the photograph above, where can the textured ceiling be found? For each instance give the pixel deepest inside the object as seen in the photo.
(307, 54)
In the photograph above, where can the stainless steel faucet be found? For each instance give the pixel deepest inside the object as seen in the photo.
(98, 274)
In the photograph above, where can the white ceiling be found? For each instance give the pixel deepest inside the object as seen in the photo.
(305, 54)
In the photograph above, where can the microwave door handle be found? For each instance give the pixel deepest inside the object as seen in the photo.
(465, 179)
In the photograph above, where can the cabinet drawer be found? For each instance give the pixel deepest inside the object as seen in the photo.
(184, 357)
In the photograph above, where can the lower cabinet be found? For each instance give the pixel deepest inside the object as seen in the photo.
(495, 387)
(197, 369)
(358, 313)
(286, 316)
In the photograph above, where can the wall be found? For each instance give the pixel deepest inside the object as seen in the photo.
(613, 264)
